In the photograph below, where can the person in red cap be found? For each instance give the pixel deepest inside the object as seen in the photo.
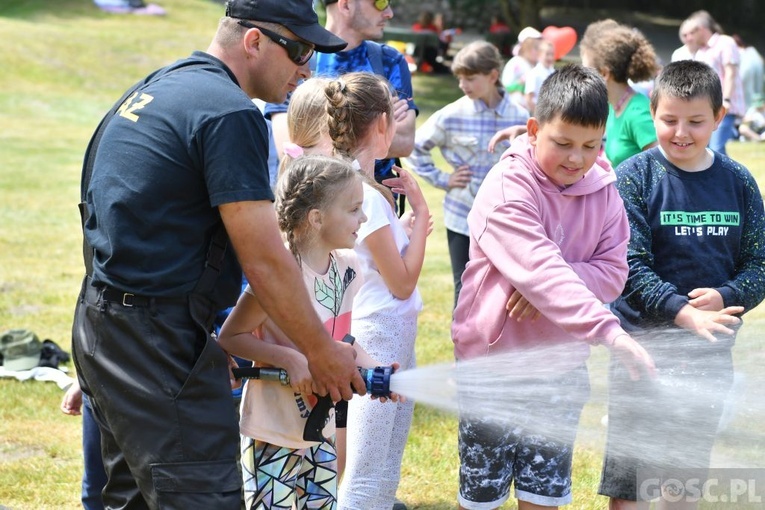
(176, 204)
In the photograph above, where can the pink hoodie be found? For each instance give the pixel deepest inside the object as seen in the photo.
(564, 250)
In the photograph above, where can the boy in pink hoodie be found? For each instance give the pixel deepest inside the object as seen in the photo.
(548, 245)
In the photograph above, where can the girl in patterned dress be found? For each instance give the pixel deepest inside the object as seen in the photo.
(318, 207)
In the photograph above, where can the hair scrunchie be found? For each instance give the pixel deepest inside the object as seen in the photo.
(293, 150)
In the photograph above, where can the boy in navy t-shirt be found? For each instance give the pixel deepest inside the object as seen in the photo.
(696, 260)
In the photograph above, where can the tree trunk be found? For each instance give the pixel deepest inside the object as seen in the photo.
(530, 13)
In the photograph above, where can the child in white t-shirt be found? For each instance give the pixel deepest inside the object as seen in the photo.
(539, 73)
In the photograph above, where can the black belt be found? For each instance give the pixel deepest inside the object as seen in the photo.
(129, 300)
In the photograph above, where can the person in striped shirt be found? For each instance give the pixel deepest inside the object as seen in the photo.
(461, 131)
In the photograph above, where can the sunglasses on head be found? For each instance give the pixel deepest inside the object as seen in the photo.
(381, 5)
(298, 51)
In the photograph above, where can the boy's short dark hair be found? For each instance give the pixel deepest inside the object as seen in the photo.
(688, 79)
(576, 94)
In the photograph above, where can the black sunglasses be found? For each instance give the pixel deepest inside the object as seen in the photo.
(298, 51)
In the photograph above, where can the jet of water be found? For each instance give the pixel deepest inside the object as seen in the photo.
(518, 389)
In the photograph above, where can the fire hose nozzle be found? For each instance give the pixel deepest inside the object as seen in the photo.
(376, 380)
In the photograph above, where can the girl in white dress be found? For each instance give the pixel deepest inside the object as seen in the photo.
(385, 310)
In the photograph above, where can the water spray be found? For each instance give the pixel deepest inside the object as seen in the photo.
(513, 388)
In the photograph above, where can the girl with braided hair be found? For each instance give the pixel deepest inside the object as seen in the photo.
(385, 310)
(318, 206)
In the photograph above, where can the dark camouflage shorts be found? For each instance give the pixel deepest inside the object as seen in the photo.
(534, 455)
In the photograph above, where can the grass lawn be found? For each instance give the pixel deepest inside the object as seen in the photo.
(64, 63)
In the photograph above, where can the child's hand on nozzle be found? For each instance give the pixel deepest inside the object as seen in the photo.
(519, 308)
(233, 381)
(296, 366)
(633, 356)
(706, 323)
(394, 397)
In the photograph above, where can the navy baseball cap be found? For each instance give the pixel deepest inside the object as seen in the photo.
(296, 15)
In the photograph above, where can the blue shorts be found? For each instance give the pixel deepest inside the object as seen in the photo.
(495, 455)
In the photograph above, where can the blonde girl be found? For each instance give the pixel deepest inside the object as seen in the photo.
(385, 313)
(318, 206)
(306, 123)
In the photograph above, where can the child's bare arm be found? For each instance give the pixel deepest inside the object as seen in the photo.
(363, 359)
(236, 333)
(401, 272)
(508, 133)
(237, 337)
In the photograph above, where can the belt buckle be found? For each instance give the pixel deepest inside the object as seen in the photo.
(125, 299)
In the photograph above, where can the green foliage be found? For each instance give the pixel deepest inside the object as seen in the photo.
(64, 63)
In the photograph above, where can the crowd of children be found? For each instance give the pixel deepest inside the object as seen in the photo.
(525, 268)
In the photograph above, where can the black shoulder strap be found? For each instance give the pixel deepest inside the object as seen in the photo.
(219, 241)
(374, 52)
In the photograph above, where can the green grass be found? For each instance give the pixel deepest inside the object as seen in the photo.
(64, 63)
